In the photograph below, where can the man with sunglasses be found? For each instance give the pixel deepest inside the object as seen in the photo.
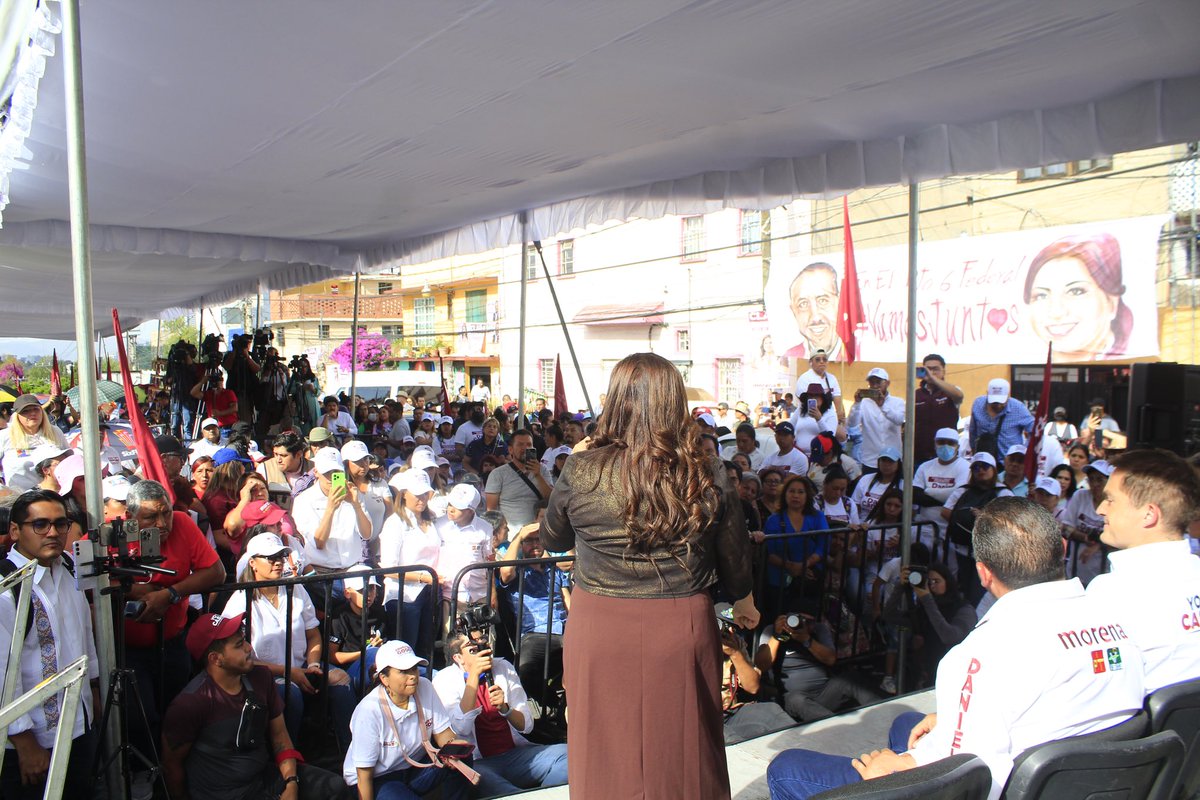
(56, 632)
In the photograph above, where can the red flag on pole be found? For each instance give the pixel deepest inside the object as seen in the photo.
(151, 461)
(850, 307)
(442, 378)
(1033, 453)
(560, 391)
(55, 378)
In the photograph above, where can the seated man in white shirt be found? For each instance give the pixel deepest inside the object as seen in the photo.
(789, 458)
(58, 622)
(1148, 503)
(210, 440)
(331, 517)
(336, 421)
(1048, 661)
(488, 707)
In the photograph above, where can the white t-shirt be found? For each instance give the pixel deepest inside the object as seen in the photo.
(880, 427)
(461, 546)
(756, 456)
(341, 425)
(551, 454)
(868, 491)
(1047, 662)
(480, 394)
(939, 480)
(1154, 587)
(450, 683)
(840, 514)
(807, 428)
(373, 744)
(1085, 560)
(404, 544)
(794, 461)
(344, 547)
(203, 447)
(829, 382)
(467, 433)
(268, 625)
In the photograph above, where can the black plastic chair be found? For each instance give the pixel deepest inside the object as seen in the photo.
(1082, 767)
(1135, 727)
(1177, 708)
(959, 777)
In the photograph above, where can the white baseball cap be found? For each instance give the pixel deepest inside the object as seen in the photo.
(1017, 450)
(1101, 466)
(207, 421)
(413, 481)
(879, 372)
(1048, 485)
(984, 458)
(424, 459)
(361, 587)
(444, 420)
(327, 460)
(355, 450)
(67, 471)
(707, 419)
(998, 390)
(946, 434)
(266, 544)
(464, 497)
(115, 487)
(397, 654)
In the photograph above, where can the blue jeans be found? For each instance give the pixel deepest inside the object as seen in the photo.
(526, 767)
(183, 414)
(342, 701)
(412, 783)
(355, 668)
(799, 774)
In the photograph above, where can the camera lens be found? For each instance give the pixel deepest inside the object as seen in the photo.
(793, 621)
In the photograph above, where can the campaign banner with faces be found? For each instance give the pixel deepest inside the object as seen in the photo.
(1087, 289)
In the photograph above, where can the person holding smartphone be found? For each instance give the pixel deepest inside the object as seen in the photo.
(937, 404)
(402, 744)
(520, 486)
(880, 416)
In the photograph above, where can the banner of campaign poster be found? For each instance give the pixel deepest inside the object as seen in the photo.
(1088, 289)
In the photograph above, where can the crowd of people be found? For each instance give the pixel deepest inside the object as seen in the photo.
(762, 542)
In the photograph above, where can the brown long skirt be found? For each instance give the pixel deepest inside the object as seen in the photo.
(643, 688)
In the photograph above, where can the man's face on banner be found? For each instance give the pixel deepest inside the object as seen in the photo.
(814, 302)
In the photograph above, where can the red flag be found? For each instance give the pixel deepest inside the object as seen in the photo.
(55, 378)
(442, 378)
(1033, 453)
(850, 307)
(560, 391)
(151, 461)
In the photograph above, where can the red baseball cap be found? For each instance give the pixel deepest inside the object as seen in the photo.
(209, 628)
(264, 513)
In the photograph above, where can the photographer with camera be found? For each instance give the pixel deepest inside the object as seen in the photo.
(219, 403)
(224, 737)
(182, 373)
(273, 393)
(488, 707)
(937, 616)
(243, 375)
(741, 682)
(519, 487)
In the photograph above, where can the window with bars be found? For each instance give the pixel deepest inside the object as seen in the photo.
(683, 340)
(751, 234)
(693, 239)
(566, 257)
(385, 287)
(729, 379)
(546, 370)
(322, 331)
(393, 331)
(424, 313)
(477, 305)
(533, 263)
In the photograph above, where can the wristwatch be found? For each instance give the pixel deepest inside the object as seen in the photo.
(291, 779)
(174, 595)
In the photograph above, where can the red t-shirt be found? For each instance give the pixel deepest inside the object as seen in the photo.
(220, 399)
(185, 550)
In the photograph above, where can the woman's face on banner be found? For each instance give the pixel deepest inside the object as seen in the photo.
(1068, 309)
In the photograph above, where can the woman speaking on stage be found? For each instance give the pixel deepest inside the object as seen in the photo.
(655, 523)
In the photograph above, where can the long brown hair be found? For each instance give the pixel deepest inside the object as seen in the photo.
(667, 478)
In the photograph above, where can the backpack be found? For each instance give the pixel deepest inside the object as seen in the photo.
(962, 521)
(7, 567)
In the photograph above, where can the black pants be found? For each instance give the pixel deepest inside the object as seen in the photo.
(79, 771)
(315, 784)
(530, 666)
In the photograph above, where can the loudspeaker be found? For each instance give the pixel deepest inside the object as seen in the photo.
(1163, 407)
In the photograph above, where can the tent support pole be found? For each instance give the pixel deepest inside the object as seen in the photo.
(81, 273)
(566, 334)
(354, 345)
(910, 402)
(521, 421)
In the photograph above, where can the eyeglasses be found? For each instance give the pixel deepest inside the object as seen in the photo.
(278, 558)
(41, 526)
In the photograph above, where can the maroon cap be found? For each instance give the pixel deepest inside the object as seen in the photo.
(264, 513)
(209, 628)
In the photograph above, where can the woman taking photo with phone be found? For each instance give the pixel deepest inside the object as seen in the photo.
(655, 523)
(397, 731)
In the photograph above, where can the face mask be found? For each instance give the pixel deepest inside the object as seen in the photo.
(946, 452)
(373, 417)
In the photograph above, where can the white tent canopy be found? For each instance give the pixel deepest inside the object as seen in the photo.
(230, 142)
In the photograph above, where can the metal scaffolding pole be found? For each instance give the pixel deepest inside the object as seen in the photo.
(354, 345)
(910, 402)
(521, 421)
(81, 273)
(566, 334)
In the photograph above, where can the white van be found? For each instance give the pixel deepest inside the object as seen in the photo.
(379, 385)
